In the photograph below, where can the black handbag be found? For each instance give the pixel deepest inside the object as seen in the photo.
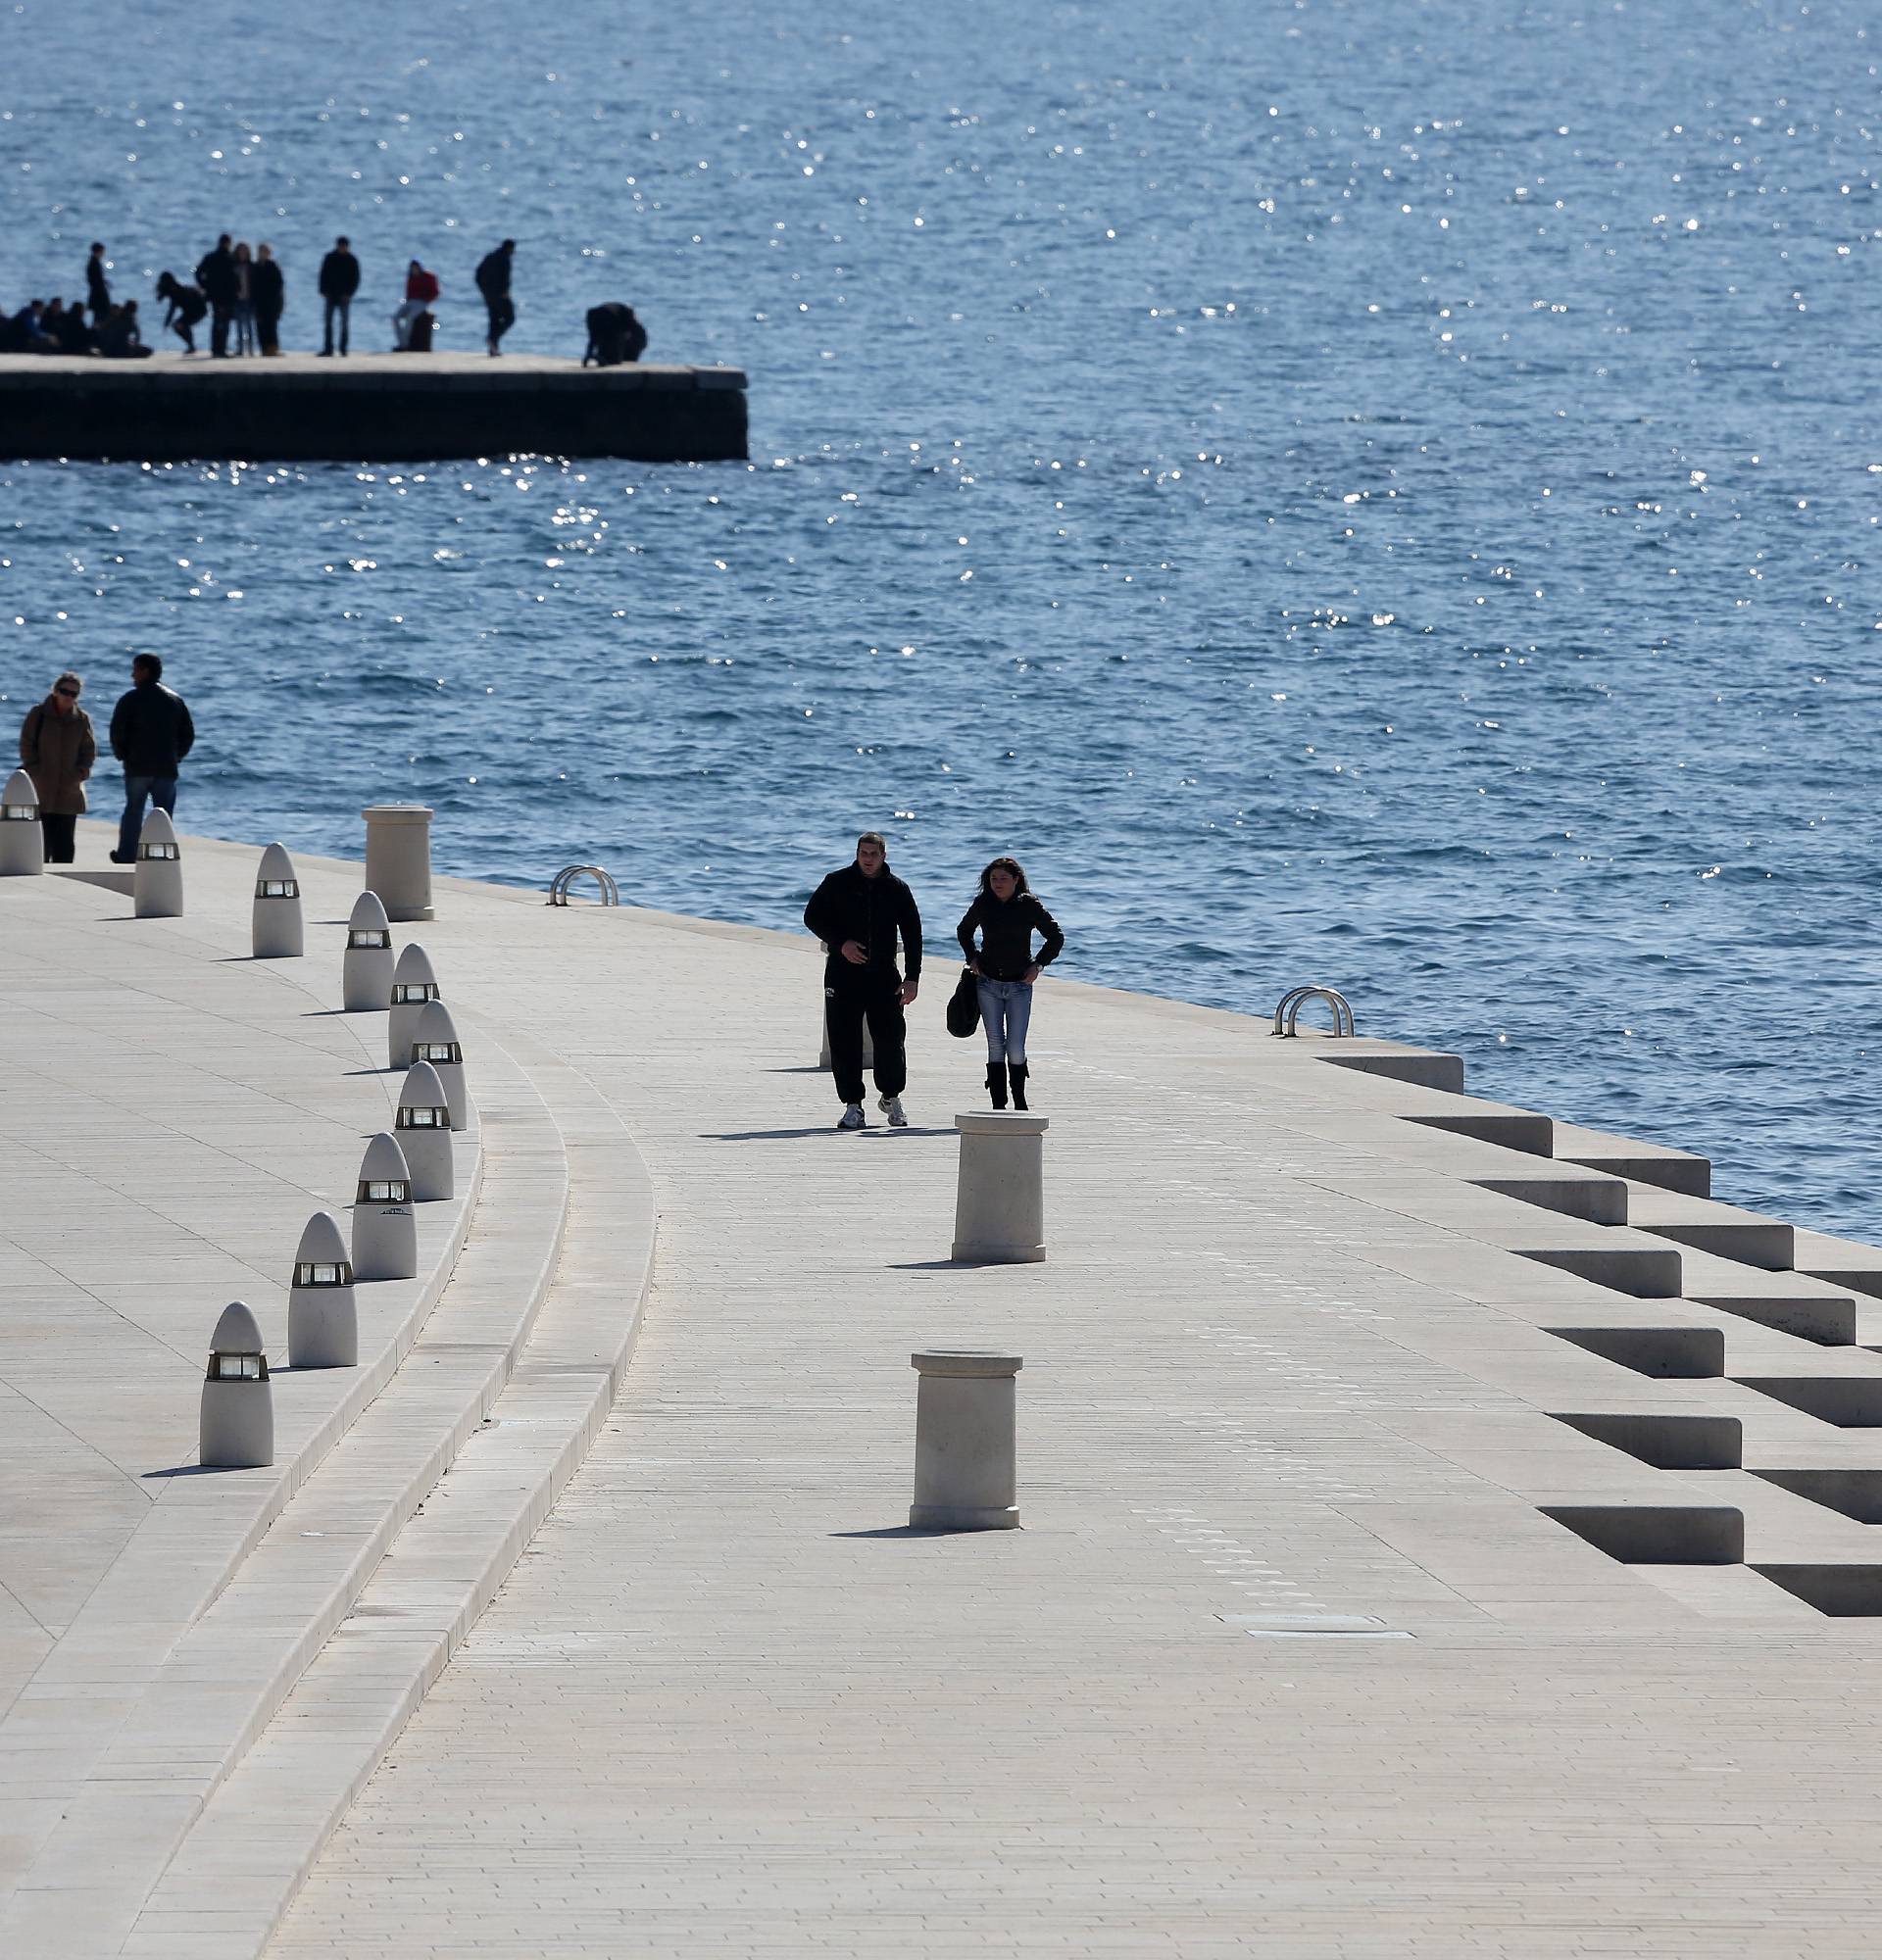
(964, 1006)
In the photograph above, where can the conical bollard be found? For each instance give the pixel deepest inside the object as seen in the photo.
(157, 883)
(385, 1229)
(277, 930)
(23, 845)
(436, 1041)
(236, 1427)
(422, 1127)
(323, 1315)
(366, 970)
(413, 984)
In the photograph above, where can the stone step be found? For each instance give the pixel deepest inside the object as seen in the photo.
(1639, 1163)
(1744, 1237)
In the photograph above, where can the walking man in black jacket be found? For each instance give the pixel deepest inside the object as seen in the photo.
(216, 277)
(858, 912)
(493, 282)
(151, 733)
(339, 282)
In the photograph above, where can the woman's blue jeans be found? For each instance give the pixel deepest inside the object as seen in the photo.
(1005, 1007)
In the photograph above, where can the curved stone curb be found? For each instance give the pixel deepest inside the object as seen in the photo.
(239, 1869)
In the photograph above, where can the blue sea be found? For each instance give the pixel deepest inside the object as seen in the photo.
(1383, 495)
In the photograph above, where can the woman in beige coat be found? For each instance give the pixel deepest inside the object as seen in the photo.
(58, 747)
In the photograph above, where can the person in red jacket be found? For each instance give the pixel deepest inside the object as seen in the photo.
(421, 289)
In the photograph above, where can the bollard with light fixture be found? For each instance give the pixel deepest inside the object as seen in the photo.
(385, 1228)
(157, 882)
(436, 1039)
(236, 1427)
(366, 971)
(323, 1315)
(412, 984)
(422, 1127)
(23, 844)
(277, 930)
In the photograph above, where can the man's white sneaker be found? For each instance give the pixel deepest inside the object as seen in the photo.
(851, 1117)
(891, 1105)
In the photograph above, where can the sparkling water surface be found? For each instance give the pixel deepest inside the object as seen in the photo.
(1375, 495)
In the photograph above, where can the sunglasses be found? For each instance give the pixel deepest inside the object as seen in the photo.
(67, 693)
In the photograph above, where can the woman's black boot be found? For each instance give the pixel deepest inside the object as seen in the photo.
(997, 1082)
(1019, 1071)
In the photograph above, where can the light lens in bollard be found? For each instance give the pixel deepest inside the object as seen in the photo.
(238, 1368)
(371, 935)
(404, 995)
(158, 854)
(436, 1052)
(323, 1273)
(276, 888)
(417, 1117)
(384, 1191)
(20, 812)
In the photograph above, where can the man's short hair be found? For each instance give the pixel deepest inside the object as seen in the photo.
(876, 838)
(96, 246)
(342, 241)
(151, 665)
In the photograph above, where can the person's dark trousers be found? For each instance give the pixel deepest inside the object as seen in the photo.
(343, 310)
(503, 316)
(140, 790)
(59, 834)
(853, 995)
(218, 319)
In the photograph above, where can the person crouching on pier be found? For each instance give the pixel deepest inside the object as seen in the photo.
(183, 307)
(1007, 914)
(858, 912)
(57, 748)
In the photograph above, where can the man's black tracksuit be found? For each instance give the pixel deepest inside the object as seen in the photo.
(872, 912)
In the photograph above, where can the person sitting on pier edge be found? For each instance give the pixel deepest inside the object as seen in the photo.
(183, 307)
(97, 286)
(151, 733)
(615, 335)
(339, 282)
(493, 282)
(26, 331)
(1007, 914)
(119, 336)
(57, 749)
(856, 912)
(421, 288)
(65, 328)
(271, 296)
(215, 275)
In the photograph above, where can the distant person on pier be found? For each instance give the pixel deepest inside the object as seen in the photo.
(858, 912)
(244, 309)
(120, 335)
(271, 296)
(615, 335)
(151, 733)
(26, 331)
(183, 307)
(69, 328)
(1006, 914)
(57, 749)
(339, 282)
(493, 282)
(421, 290)
(97, 286)
(215, 275)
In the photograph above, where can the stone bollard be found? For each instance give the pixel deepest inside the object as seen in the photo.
(157, 882)
(437, 1042)
(398, 859)
(236, 1429)
(275, 929)
(999, 1206)
(23, 844)
(323, 1316)
(413, 984)
(422, 1127)
(385, 1228)
(966, 1474)
(366, 969)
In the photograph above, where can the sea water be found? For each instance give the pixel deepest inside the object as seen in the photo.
(1375, 495)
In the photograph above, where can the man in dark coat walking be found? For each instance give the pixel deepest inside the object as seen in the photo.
(97, 286)
(216, 277)
(493, 282)
(339, 282)
(858, 912)
(151, 733)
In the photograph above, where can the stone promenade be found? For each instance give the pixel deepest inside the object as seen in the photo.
(1446, 1531)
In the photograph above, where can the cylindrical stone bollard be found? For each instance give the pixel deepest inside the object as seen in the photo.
(277, 930)
(236, 1429)
(157, 881)
(323, 1315)
(1000, 1205)
(366, 969)
(23, 845)
(965, 1473)
(385, 1228)
(413, 984)
(422, 1127)
(436, 1039)
(398, 859)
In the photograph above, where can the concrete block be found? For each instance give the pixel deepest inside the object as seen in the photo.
(999, 1209)
(966, 1467)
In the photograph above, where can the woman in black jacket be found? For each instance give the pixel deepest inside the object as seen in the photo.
(1007, 914)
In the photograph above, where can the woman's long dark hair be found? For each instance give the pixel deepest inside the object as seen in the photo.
(1021, 889)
